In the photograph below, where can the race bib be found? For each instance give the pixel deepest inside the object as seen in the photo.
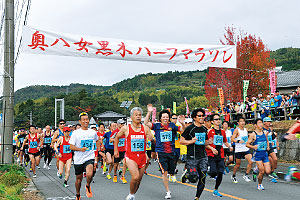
(104, 141)
(47, 140)
(262, 146)
(21, 140)
(200, 138)
(66, 149)
(245, 138)
(121, 142)
(137, 145)
(270, 138)
(274, 143)
(33, 145)
(166, 136)
(88, 144)
(218, 140)
(229, 140)
(111, 143)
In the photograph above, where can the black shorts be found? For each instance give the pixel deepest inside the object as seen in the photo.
(227, 152)
(152, 146)
(166, 162)
(79, 169)
(201, 164)
(35, 154)
(216, 165)
(241, 155)
(121, 157)
(270, 151)
(149, 153)
(111, 151)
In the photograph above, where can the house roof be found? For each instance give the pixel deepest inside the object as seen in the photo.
(288, 79)
(110, 114)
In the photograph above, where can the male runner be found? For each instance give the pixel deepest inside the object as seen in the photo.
(47, 147)
(64, 155)
(34, 143)
(261, 146)
(135, 157)
(195, 137)
(81, 143)
(227, 153)
(57, 134)
(165, 133)
(272, 155)
(240, 137)
(215, 152)
(20, 140)
(109, 149)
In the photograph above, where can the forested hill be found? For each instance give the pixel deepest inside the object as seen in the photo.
(288, 58)
(38, 91)
(137, 83)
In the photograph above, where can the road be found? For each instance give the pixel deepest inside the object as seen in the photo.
(152, 187)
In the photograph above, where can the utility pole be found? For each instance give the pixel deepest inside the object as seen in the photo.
(30, 117)
(8, 84)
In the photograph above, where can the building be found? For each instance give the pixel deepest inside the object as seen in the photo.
(109, 117)
(288, 81)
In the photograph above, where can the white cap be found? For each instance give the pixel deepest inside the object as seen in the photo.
(93, 126)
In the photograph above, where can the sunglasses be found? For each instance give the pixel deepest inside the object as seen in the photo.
(174, 118)
(62, 123)
(217, 119)
(200, 115)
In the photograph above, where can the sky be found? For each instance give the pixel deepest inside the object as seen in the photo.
(276, 22)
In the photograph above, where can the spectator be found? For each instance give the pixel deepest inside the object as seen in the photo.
(264, 107)
(278, 100)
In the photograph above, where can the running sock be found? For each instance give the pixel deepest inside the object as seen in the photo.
(66, 182)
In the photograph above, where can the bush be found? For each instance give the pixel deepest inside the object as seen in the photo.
(12, 178)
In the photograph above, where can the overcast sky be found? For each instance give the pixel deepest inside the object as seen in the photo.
(167, 21)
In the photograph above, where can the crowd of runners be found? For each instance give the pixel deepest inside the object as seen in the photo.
(211, 147)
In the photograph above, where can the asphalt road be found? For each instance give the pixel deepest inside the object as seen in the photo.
(152, 187)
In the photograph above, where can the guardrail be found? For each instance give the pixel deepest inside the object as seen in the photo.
(279, 113)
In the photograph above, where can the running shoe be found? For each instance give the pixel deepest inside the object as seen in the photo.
(108, 176)
(227, 170)
(84, 174)
(104, 167)
(234, 180)
(246, 177)
(145, 172)
(60, 176)
(123, 180)
(45, 165)
(66, 185)
(174, 179)
(254, 177)
(34, 176)
(26, 163)
(273, 180)
(89, 193)
(38, 167)
(216, 194)
(260, 187)
(275, 175)
(271, 176)
(48, 167)
(78, 197)
(168, 195)
(130, 197)
(57, 173)
(115, 179)
(30, 169)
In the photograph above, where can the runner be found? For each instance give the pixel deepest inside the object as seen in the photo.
(57, 134)
(109, 149)
(81, 143)
(101, 152)
(293, 133)
(215, 152)
(260, 145)
(227, 153)
(34, 143)
(20, 139)
(195, 137)
(165, 133)
(272, 139)
(47, 147)
(135, 157)
(240, 137)
(64, 155)
(121, 149)
(177, 147)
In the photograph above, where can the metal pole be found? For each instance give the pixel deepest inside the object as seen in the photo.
(62, 107)
(55, 122)
(8, 83)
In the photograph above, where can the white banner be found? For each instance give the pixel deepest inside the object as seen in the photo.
(37, 41)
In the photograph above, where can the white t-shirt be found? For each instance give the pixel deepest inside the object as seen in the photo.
(243, 135)
(84, 138)
(228, 136)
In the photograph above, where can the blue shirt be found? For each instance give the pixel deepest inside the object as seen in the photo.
(273, 103)
(165, 137)
(107, 144)
(278, 103)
